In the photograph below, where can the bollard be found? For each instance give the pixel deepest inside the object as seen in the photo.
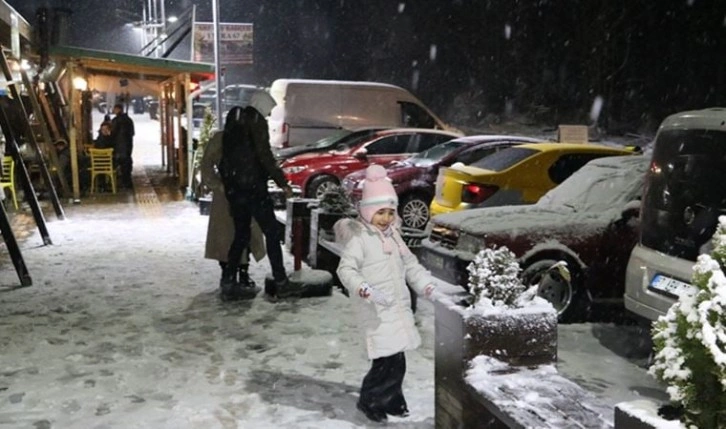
(297, 245)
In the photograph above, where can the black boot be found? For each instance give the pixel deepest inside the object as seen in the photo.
(229, 289)
(283, 288)
(398, 411)
(243, 276)
(374, 414)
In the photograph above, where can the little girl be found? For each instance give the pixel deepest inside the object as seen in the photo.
(375, 267)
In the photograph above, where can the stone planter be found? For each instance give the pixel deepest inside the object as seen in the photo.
(321, 226)
(518, 338)
(642, 414)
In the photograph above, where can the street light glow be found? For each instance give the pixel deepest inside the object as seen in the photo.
(172, 19)
(80, 83)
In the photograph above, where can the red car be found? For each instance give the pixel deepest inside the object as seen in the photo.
(315, 173)
(590, 221)
(415, 178)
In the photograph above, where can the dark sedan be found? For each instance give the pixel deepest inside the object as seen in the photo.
(415, 178)
(339, 139)
(589, 221)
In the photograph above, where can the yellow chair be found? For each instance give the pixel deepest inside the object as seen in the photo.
(102, 165)
(7, 179)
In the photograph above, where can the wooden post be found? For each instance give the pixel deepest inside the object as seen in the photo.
(13, 249)
(13, 87)
(184, 139)
(75, 114)
(179, 101)
(161, 115)
(28, 190)
(40, 116)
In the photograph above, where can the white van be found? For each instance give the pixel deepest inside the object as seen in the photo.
(309, 110)
(684, 195)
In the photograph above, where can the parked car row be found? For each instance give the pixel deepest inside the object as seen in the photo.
(589, 221)
(315, 173)
(628, 228)
(414, 179)
(546, 201)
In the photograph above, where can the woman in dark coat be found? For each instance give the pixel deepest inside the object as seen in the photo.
(246, 166)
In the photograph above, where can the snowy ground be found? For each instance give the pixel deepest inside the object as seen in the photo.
(123, 329)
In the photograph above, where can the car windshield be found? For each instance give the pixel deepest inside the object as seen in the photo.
(330, 140)
(347, 141)
(504, 159)
(435, 154)
(600, 185)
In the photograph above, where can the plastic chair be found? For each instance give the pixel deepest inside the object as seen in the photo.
(102, 165)
(7, 180)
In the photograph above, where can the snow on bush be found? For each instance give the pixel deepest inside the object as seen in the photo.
(336, 200)
(690, 342)
(494, 280)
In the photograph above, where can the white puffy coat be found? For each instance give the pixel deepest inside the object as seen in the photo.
(388, 329)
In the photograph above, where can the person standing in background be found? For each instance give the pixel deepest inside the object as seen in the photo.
(122, 134)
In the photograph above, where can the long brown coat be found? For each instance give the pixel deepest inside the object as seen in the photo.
(220, 230)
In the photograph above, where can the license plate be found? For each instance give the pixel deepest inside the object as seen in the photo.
(673, 287)
(433, 261)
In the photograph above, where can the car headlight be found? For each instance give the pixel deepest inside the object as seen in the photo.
(470, 243)
(294, 170)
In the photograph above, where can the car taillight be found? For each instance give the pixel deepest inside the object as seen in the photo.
(286, 138)
(473, 193)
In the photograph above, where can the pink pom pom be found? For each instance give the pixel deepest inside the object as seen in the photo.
(375, 172)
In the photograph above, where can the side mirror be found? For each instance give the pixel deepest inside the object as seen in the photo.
(631, 210)
(361, 154)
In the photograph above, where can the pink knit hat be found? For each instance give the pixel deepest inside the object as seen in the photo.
(378, 193)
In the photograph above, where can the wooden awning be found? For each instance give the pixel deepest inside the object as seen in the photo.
(132, 76)
(103, 65)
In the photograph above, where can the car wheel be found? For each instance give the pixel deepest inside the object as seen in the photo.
(559, 291)
(320, 185)
(414, 211)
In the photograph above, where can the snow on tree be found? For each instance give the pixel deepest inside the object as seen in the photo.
(690, 342)
(494, 279)
(208, 127)
(335, 200)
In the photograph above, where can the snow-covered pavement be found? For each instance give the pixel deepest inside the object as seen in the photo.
(123, 328)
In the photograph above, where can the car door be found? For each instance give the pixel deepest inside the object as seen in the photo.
(389, 148)
(611, 250)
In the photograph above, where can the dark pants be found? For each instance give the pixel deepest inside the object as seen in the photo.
(125, 165)
(243, 210)
(381, 387)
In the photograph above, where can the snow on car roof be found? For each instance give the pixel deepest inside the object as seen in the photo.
(591, 195)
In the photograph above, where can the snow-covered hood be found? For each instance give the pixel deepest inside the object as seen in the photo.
(533, 218)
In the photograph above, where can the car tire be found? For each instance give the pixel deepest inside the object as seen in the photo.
(562, 294)
(319, 185)
(414, 210)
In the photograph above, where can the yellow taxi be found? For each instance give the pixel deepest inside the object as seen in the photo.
(516, 175)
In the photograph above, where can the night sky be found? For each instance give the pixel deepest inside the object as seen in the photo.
(473, 62)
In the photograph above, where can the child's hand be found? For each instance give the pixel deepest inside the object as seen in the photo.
(369, 292)
(432, 294)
